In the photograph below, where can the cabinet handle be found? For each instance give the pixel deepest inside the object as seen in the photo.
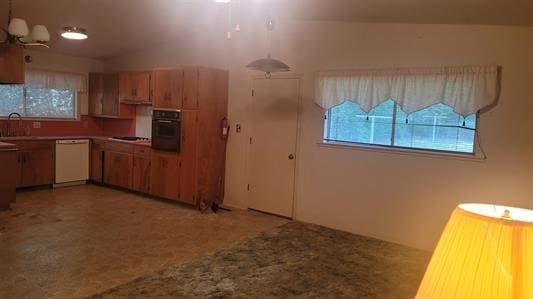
(184, 99)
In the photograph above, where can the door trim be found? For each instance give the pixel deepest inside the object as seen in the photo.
(297, 138)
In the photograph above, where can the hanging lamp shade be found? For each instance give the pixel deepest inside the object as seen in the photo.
(268, 65)
(485, 251)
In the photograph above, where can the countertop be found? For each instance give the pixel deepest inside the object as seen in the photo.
(5, 145)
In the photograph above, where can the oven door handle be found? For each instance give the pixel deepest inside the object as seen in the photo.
(164, 121)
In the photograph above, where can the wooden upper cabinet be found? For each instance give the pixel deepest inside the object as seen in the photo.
(190, 88)
(110, 101)
(11, 64)
(167, 88)
(103, 97)
(134, 86)
(96, 93)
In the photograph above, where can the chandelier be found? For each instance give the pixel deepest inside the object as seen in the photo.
(17, 32)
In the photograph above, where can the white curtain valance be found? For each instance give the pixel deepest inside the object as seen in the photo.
(56, 80)
(467, 89)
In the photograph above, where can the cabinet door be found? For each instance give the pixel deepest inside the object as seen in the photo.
(110, 102)
(96, 94)
(97, 160)
(134, 86)
(141, 86)
(188, 156)
(11, 64)
(118, 169)
(124, 87)
(38, 168)
(190, 88)
(141, 174)
(20, 165)
(165, 175)
(168, 89)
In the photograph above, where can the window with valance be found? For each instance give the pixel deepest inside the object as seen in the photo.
(422, 108)
(46, 94)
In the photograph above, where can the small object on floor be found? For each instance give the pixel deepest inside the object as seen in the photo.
(215, 207)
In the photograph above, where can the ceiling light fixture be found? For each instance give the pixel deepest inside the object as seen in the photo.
(75, 33)
(269, 65)
(17, 32)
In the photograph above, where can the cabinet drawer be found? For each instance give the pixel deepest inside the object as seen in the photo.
(98, 144)
(119, 147)
(141, 150)
(35, 145)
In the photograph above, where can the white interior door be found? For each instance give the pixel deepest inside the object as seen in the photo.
(273, 145)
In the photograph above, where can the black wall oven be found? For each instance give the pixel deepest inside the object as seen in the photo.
(166, 129)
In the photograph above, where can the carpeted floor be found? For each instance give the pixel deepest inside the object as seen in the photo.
(293, 260)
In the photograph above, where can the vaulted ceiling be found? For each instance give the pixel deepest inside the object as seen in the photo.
(119, 26)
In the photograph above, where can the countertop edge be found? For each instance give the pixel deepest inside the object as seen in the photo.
(5, 145)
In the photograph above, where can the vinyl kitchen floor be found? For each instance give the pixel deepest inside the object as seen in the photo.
(78, 241)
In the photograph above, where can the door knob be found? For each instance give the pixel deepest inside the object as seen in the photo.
(291, 157)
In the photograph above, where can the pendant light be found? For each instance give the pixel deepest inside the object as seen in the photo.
(269, 65)
(17, 32)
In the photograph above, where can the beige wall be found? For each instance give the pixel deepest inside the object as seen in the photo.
(48, 60)
(400, 198)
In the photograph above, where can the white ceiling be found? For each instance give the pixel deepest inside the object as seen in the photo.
(119, 26)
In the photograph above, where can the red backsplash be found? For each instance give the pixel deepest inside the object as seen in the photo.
(85, 126)
(118, 127)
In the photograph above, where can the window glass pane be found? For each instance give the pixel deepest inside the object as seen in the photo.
(11, 99)
(437, 127)
(52, 103)
(348, 123)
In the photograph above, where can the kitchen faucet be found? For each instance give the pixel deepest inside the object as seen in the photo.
(10, 132)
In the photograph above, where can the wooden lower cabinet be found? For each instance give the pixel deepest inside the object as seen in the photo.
(165, 175)
(118, 169)
(8, 182)
(142, 168)
(97, 165)
(189, 123)
(36, 168)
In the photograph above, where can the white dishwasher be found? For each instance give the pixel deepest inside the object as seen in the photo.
(72, 162)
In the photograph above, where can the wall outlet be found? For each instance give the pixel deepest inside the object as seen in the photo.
(36, 124)
(238, 128)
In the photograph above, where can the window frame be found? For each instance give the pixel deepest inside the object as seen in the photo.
(396, 148)
(76, 116)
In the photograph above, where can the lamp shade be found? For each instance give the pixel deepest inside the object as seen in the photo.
(485, 251)
(40, 34)
(268, 65)
(18, 27)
